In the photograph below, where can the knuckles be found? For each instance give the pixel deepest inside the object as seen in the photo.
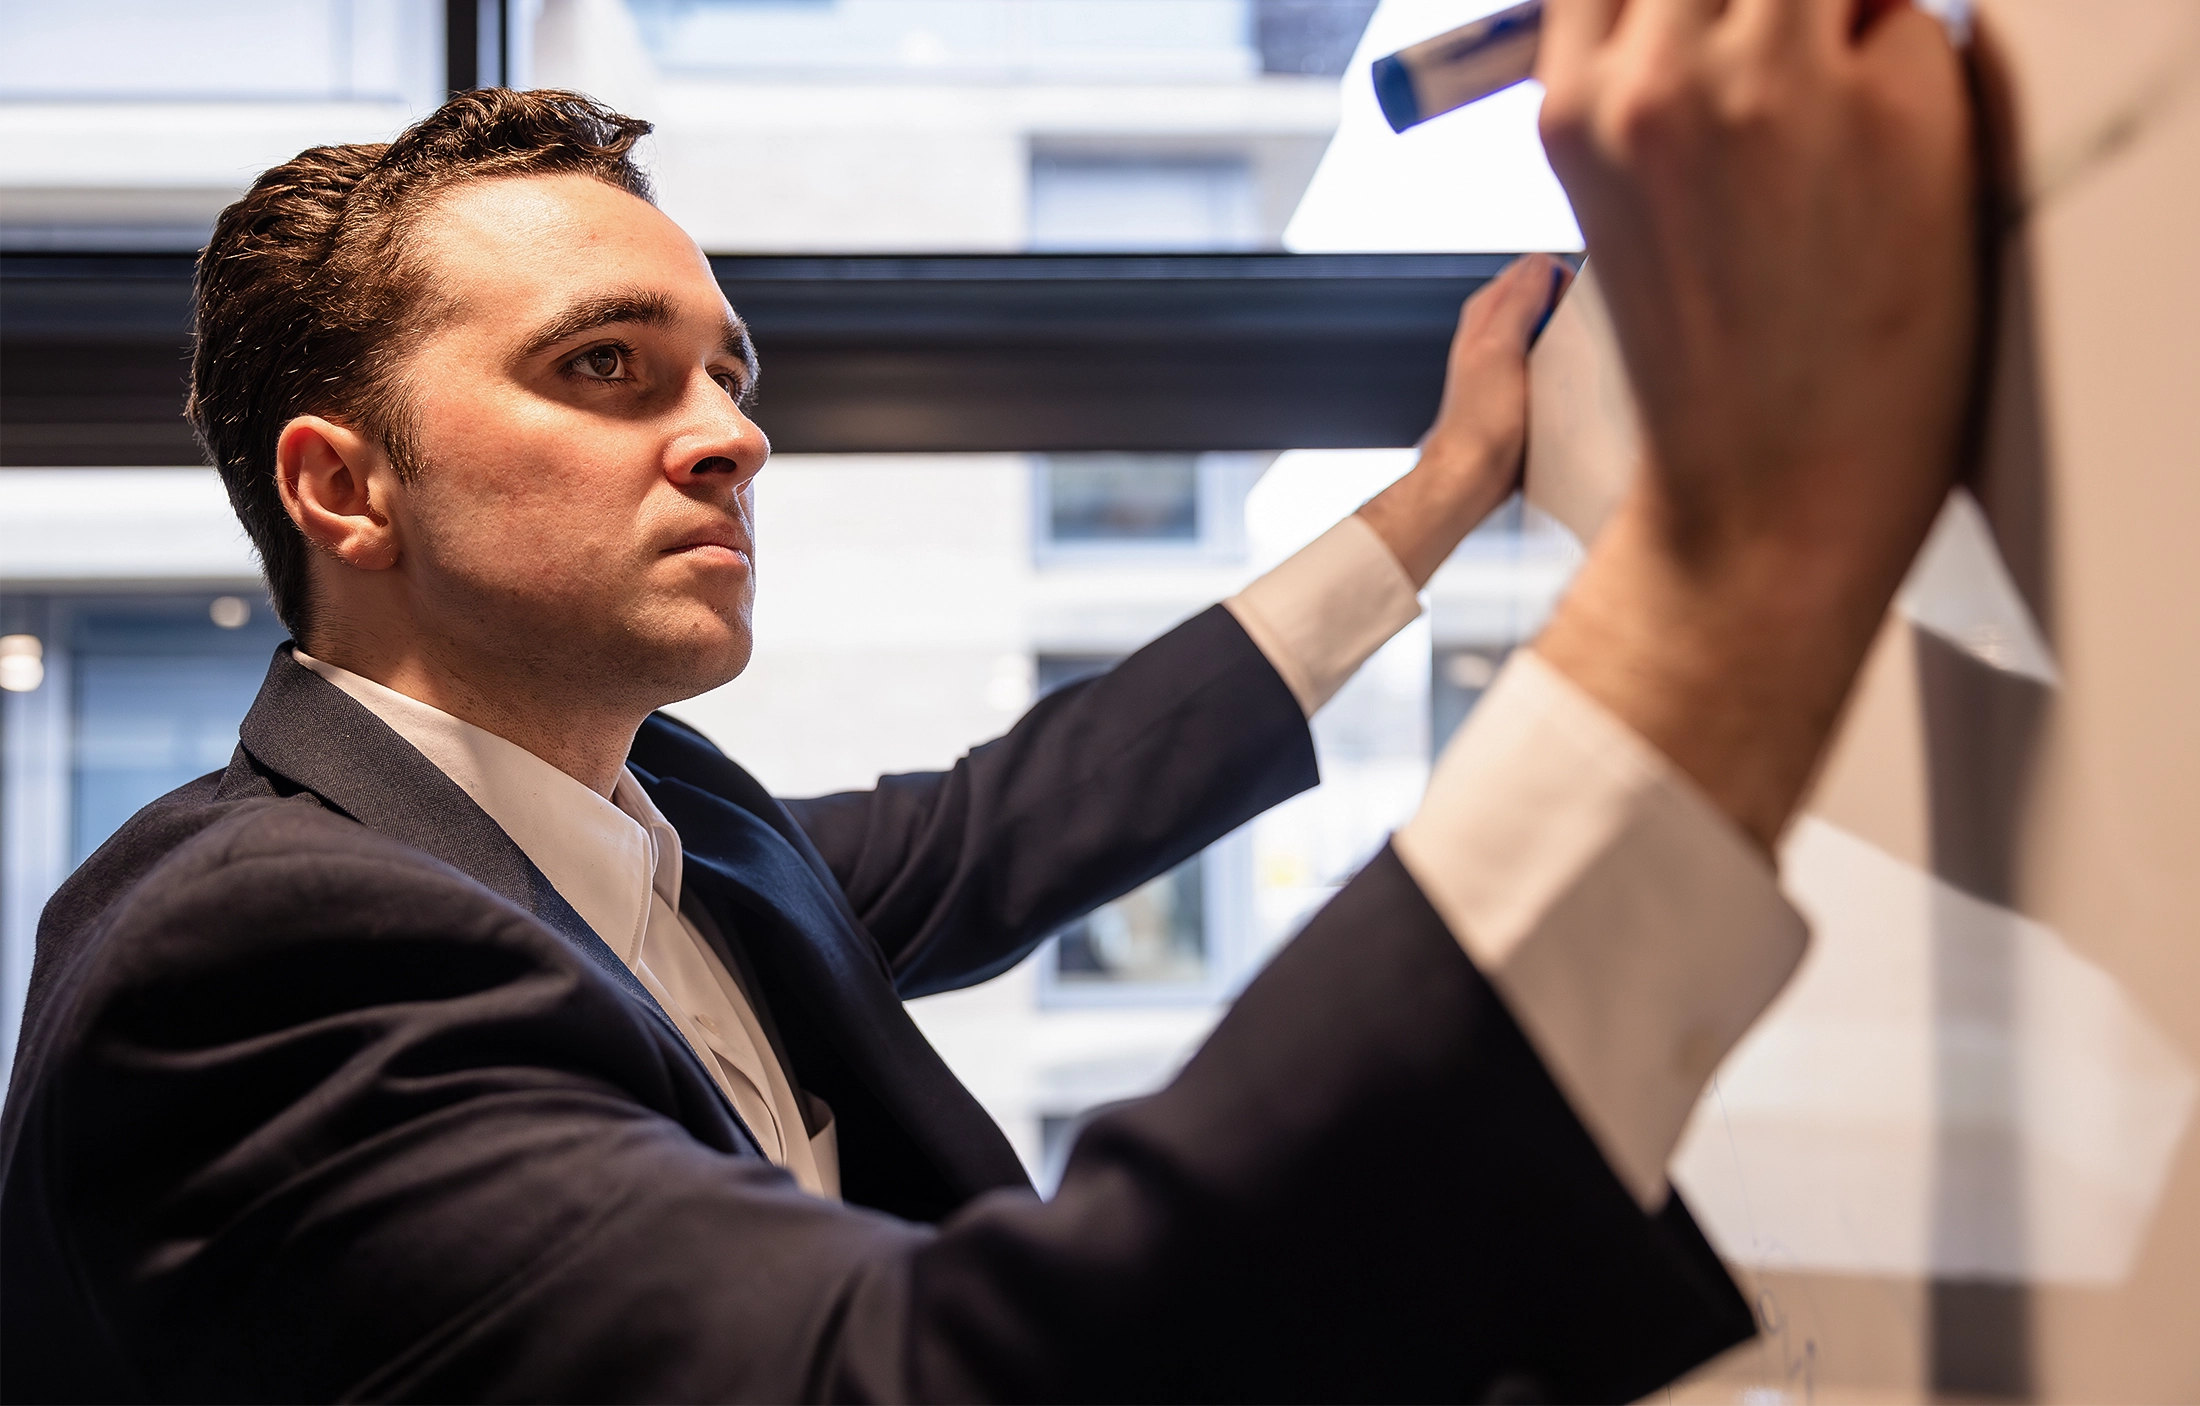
(1659, 108)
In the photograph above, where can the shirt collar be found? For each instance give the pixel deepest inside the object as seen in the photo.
(605, 857)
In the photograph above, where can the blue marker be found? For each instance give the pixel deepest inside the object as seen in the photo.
(1461, 66)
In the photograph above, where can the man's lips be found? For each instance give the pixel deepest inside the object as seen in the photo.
(724, 547)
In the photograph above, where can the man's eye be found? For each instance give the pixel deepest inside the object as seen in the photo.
(600, 363)
(729, 383)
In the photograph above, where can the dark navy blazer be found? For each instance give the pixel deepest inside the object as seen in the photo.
(323, 1091)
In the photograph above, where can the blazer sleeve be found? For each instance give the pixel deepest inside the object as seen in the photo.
(323, 1119)
(1100, 787)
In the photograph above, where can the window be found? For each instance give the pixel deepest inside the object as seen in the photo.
(1122, 498)
(804, 125)
(1096, 203)
(1154, 935)
(915, 606)
(1097, 507)
(285, 50)
(1163, 940)
(1458, 676)
(160, 686)
(136, 695)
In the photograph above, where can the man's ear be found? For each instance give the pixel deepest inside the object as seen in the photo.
(334, 484)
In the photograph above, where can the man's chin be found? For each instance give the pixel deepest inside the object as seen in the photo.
(688, 665)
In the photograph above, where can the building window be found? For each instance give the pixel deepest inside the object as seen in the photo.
(1309, 37)
(1169, 939)
(1092, 203)
(1141, 506)
(1122, 498)
(1457, 680)
(237, 51)
(160, 687)
(133, 696)
(1155, 934)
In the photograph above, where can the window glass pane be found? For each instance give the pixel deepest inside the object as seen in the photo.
(1155, 933)
(809, 125)
(160, 689)
(907, 614)
(286, 50)
(1122, 498)
(792, 125)
(1458, 677)
(1097, 203)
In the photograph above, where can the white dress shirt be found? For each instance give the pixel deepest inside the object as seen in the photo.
(618, 863)
(1631, 928)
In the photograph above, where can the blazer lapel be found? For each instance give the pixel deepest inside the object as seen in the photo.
(797, 925)
(306, 729)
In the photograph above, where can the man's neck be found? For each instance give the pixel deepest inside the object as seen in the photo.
(587, 744)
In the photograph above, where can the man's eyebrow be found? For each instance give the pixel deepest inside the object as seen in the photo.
(649, 309)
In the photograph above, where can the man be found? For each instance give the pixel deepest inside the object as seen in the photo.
(480, 1033)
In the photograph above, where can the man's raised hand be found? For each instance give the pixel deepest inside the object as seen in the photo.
(1471, 456)
(1778, 195)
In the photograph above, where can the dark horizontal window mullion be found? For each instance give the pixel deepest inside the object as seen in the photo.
(874, 353)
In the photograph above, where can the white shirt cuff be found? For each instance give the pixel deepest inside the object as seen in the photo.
(1324, 611)
(1632, 929)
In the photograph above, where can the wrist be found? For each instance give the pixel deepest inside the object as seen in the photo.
(1731, 655)
(1424, 516)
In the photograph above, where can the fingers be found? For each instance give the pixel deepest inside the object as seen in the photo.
(1870, 12)
(1573, 30)
(1663, 22)
(1900, 29)
(1908, 57)
(1606, 61)
(1510, 309)
(1576, 31)
(1822, 26)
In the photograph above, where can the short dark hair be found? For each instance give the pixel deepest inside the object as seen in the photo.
(307, 295)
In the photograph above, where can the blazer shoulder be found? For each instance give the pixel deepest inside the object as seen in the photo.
(296, 853)
(220, 885)
(137, 854)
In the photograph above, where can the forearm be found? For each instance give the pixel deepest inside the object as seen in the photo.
(1733, 663)
(1794, 288)
(1424, 516)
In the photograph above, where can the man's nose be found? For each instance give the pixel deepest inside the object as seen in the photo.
(719, 446)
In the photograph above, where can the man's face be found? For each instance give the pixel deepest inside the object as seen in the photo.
(583, 515)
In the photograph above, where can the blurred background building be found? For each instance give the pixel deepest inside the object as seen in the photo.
(911, 605)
